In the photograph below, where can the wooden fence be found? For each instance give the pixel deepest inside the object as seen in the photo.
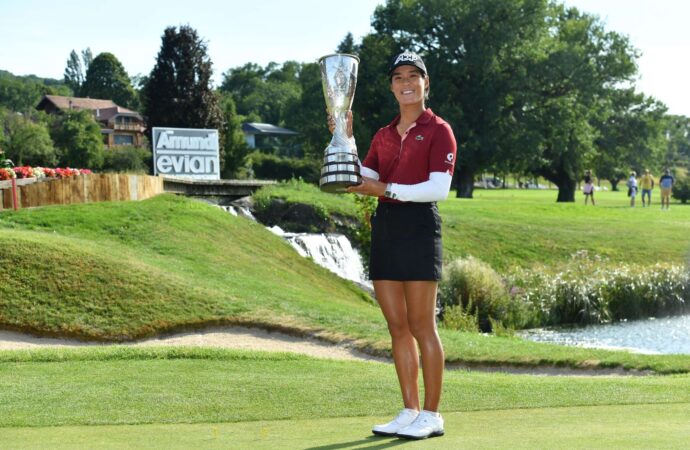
(80, 189)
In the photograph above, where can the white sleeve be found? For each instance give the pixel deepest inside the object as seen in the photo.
(435, 189)
(369, 173)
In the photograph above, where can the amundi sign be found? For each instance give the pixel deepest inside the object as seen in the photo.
(186, 152)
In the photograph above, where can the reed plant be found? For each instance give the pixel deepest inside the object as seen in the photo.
(591, 290)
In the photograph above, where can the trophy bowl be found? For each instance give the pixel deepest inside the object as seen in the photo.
(340, 162)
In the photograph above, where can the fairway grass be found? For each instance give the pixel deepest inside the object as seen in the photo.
(172, 398)
(586, 427)
(190, 385)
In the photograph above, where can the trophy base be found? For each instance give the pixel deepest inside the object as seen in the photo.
(338, 184)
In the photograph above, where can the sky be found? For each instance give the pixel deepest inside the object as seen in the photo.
(36, 37)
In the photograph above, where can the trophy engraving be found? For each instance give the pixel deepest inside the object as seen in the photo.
(340, 162)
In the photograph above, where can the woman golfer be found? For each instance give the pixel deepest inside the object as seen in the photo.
(409, 168)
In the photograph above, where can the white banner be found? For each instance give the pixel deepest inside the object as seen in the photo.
(186, 152)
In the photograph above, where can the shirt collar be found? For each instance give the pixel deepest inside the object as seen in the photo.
(423, 118)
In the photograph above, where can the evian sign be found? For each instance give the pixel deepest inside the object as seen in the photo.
(186, 152)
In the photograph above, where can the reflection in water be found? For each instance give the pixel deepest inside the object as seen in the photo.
(665, 336)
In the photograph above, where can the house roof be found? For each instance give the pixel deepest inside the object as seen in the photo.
(105, 109)
(266, 128)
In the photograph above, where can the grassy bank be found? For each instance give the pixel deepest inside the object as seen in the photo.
(118, 271)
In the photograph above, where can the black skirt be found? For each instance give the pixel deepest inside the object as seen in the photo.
(406, 242)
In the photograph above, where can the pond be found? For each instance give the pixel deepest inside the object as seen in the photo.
(669, 335)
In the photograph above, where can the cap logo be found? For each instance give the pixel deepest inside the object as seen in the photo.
(450, 156)
(411, 57)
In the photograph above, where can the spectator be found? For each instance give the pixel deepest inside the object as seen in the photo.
(666, 184)
(588, 188)
(646, 184)
(632, 188)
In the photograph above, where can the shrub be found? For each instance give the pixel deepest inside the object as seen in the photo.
(455, 317)
(476, 287)
(681, 189)
(265, 166)
(127, 159)
(589, 291)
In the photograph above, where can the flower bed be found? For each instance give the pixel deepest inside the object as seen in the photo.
(38, 173)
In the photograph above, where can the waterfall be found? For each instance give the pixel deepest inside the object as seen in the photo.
(332, 251)
(241, 211)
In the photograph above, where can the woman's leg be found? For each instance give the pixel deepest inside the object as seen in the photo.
(421, 316)
(391, 298)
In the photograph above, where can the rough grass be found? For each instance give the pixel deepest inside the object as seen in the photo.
(526, 228)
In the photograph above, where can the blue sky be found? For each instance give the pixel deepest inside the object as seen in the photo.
(37, 36)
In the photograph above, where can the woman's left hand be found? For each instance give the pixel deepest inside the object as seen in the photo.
(369, 186)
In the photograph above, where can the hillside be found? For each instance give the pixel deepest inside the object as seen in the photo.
(129, 269)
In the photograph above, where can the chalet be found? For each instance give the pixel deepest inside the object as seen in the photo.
(119, 126)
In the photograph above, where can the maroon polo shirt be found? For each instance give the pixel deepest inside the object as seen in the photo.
(427, 146)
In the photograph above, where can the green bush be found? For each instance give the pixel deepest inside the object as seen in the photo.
(589, 291)
(476, 287)
(272, 167)
(127, 159)
(455, 317)
(681, 189)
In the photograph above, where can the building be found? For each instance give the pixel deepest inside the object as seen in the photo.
(119, 126)
(271, 138)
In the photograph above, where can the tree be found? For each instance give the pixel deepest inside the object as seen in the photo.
(178, 92)
(677, 133)
(78, 138)
(347, 45)
(477, 52)
(22, 93)
(107, 79)
(629, 135)
(235, 148)
(265, 93)
(307, 113)
(26, 142)
(75, 72)
(582, 65)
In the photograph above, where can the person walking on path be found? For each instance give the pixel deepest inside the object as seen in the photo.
(632, 188)
(666, 185)
(646, 184)
(409, 167)
(588, 188)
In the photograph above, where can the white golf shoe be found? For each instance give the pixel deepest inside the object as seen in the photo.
(427, 424)
(402, 420)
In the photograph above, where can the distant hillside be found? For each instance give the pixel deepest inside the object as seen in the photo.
(22, 92)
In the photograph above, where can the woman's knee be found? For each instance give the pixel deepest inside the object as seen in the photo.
(398, 328)
(422, 330)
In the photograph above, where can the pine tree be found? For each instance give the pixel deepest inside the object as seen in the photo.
(178, 92)
(75, 72)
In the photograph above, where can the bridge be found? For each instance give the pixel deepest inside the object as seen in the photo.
(225, 190)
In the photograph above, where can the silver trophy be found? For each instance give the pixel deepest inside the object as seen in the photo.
(340, 162)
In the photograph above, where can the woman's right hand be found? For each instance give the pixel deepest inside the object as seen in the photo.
(331, 123)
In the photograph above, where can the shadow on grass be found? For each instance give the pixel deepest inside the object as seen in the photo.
(376, 442)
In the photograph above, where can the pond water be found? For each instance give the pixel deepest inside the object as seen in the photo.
(669, 335)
